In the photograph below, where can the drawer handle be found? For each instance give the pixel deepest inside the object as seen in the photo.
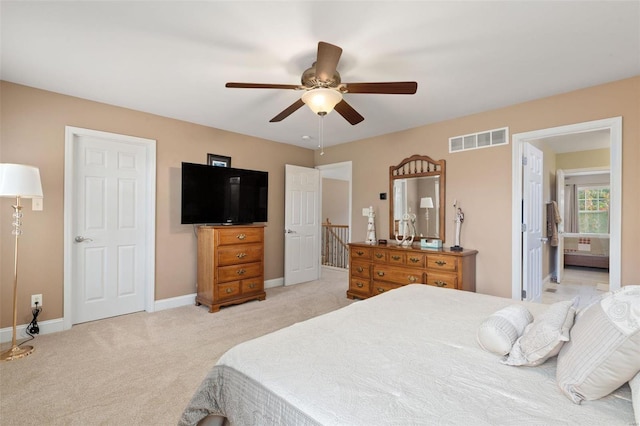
(360, 269)
(241, 271)
(252, 285)
(229, 290)
(396, 257)
(379, 255)
(241, 255)
(441, 283)
(440, 262)
(381, 290)
(412, 279)
(381, 273)
(359, 285)
(241, 236)
(359, 252)
(414, 259)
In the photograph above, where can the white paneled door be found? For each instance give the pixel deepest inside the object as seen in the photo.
(109, 227)
(302, 225)
(533, 224)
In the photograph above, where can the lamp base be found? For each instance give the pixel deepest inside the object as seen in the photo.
(16, 352)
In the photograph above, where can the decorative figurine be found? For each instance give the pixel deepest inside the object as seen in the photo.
(407, 226)
(371, 227)
(459, 219)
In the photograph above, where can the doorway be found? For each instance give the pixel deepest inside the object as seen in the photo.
(614, 127)
(335, 182)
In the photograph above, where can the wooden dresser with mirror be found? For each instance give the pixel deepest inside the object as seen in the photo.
(417, 198)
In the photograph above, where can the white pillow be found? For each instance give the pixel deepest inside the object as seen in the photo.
(499, 331)
(543, 338)
(604, 351)
(635, 396)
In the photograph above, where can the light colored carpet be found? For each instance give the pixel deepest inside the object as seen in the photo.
(143, 368)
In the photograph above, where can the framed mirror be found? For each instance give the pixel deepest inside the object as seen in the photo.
(417, 189)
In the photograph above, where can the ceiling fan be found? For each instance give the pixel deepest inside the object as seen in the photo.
(323, 89)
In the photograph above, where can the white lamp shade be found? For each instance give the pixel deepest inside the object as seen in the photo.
(321, 99)
(19, 180)
(426, 203)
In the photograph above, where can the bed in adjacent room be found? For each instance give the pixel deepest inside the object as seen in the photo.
(408, 356)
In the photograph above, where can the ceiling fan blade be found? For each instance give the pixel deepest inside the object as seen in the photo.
(393, 88)
(347, 111)
(261, 86)
(287, 112)
(327, 61)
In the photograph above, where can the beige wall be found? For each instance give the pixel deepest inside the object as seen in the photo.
(584, 159)
(33, 133)
(33, 126)
(481, 179)
(335, 201)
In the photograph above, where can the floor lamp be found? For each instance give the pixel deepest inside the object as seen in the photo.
(18, 181)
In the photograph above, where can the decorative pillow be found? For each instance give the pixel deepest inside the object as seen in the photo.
(604, 351)
(635, 396)
(543, 338)
(499, 331)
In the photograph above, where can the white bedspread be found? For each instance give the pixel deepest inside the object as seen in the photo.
(410, 357)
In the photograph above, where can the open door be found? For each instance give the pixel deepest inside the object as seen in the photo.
(302, 225)
(532, 224)
(559, 270)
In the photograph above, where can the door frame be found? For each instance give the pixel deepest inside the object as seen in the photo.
(614, 125)
(70, 154)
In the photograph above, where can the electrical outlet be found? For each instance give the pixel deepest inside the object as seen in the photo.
(36, 298)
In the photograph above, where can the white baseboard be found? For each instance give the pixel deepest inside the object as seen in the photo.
(55, 325)
(276, 282)
(175, 302)
(46, 327)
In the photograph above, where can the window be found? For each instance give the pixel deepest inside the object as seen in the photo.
(593, 209)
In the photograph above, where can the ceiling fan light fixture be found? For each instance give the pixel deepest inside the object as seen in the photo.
(321, 100)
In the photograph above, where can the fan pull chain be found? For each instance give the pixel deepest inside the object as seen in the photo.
(321, 133)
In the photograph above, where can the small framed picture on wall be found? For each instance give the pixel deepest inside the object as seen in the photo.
(218, 160)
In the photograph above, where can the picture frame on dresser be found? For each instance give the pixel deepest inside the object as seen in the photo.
(218, 160)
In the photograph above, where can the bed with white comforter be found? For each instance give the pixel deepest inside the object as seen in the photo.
(406, 357)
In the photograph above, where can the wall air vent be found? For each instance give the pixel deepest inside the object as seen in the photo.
(479, 140)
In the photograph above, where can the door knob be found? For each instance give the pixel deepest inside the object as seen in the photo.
(81, 239)
(289, 231)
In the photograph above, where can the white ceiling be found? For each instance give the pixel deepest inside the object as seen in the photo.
(172, 58)
(584, 141)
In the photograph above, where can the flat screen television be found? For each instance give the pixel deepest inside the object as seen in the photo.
(223, 195)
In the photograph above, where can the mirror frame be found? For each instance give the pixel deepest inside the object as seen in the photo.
(413, 167)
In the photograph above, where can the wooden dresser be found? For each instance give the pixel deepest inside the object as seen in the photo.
(230, 265)
(374, 268)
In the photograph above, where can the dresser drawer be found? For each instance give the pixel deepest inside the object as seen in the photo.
(240, 235)
(252, 285)
(241, 253)
(380, 255)
(228, 290)
(442, 280)
(359, 285)
(381, 287)
(238, 272)
(441, 262)
(396, 257)
(360, 269)
(397, 275)
(416, 259)
(361, 252)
